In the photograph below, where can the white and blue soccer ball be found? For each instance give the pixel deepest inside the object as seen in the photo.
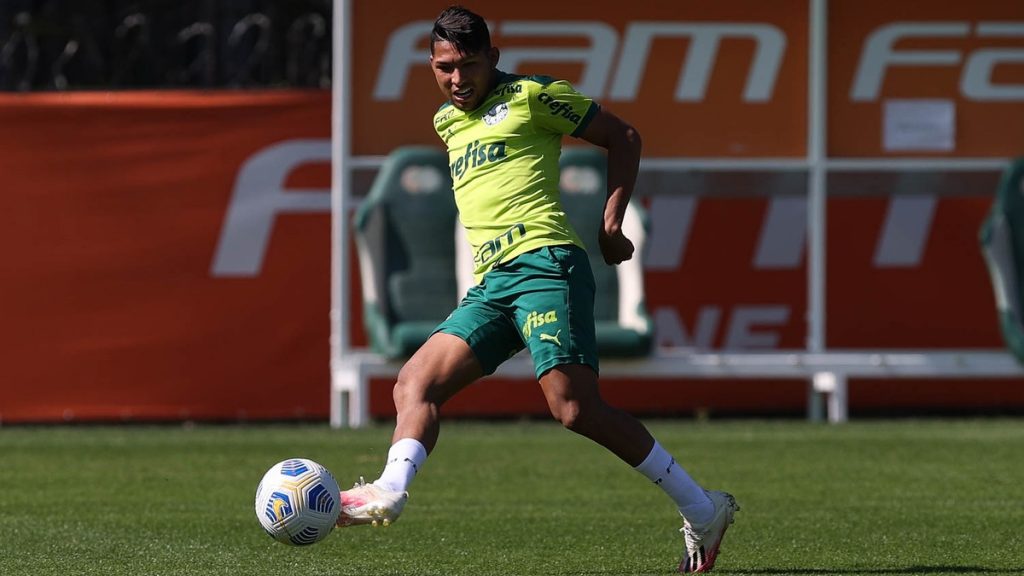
(298, 501)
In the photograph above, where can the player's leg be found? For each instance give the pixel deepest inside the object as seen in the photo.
(471, 343)
(573, 397)
(444, 365)
(563, 344)
(556, 311)
(574, 400)
(571, 391)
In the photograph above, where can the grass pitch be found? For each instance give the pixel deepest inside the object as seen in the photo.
(876, 498)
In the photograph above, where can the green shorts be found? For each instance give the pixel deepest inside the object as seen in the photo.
(543, 300)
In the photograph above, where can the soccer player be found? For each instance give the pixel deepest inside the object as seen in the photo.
(535, 286)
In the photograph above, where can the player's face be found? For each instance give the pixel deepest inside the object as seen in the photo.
(465, 79)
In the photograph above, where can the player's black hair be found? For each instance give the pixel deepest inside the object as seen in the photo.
(466, 30)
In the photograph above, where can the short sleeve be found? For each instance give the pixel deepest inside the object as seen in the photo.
(558, 107)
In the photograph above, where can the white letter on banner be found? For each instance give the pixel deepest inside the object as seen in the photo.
(400, 56)
(597, 59)
(259, 195)
(878, 54)
(671, 220)
(741, 335)
(976, 81)
(670, 331)
(904, 235)
(700, 58)
(783, 234)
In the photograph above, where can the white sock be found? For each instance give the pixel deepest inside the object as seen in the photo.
(404, 458)
(661, 468)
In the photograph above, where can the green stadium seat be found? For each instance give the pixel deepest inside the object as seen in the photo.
(405, 233)
(1002, 245)
(623, 324)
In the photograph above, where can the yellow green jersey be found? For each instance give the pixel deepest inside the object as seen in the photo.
(504, 163)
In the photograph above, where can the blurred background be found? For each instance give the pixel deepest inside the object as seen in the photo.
(126, 45)
(167, 171)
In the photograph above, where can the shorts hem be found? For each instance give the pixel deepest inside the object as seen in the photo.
(486, 368)
(541, 369)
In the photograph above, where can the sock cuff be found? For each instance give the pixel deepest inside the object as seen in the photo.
(408, 448)
(655, 461)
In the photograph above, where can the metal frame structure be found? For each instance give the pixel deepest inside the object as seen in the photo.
(827, 371)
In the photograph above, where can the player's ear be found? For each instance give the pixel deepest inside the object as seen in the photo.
(493, 55)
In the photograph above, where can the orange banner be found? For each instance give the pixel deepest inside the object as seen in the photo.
(699, 78)
(134, 282)
(166, 255)
(902, 272)
(937, 78)
(717, 79)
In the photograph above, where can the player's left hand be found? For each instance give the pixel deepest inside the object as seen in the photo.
(615, 248)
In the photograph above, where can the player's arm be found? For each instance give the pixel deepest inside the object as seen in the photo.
(624, 148)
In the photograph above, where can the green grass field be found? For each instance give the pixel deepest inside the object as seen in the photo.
(904, 497)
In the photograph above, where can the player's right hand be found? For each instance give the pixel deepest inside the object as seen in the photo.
(615, 248)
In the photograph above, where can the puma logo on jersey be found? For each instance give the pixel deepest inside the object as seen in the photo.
(550, 338)
(536, 320)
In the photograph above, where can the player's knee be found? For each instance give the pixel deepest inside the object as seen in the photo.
(411, 387)
(574, 415)
(417, 387)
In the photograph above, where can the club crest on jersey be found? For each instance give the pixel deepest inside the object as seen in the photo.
(496, 114)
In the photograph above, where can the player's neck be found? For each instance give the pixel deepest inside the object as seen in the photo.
(496, 77)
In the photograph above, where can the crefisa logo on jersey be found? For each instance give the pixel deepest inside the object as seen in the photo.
(559, 108)
(496, 114)
(477, 154)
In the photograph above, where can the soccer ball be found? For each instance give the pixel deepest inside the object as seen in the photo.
(297, 502)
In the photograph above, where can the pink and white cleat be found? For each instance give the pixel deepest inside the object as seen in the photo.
(702, 542)
(370, 504)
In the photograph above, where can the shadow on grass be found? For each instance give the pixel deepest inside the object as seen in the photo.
(895, 571)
